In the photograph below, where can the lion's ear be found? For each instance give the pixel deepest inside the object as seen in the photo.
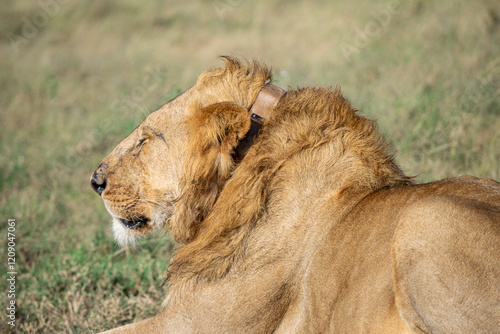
(214, 132)
(222, 125)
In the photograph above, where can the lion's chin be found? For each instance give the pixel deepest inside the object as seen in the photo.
(124, 235)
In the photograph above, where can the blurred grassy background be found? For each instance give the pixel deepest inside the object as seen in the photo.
(77, 76)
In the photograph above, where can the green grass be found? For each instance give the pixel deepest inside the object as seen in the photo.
(429, 73)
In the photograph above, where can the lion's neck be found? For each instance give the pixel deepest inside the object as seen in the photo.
(310, 154)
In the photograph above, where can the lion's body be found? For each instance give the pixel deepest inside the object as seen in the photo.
(354, 257)
(316, 230)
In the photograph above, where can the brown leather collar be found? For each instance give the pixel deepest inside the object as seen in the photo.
(260, 111)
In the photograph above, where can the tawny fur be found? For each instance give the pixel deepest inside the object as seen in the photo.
(329, 120)
(316, 230)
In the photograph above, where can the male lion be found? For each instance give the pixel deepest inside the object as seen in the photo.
(312, 229)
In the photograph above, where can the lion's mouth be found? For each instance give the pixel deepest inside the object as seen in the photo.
(134, 224)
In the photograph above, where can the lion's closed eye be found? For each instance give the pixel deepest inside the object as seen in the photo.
(136, 149)
(141, 142)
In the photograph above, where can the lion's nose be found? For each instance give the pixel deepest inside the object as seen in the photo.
(97, 185)
(98, 180)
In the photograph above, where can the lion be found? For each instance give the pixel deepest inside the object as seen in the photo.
(311, 227)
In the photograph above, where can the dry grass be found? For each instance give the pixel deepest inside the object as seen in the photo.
(87, 74)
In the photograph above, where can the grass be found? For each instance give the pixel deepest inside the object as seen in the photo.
(87, 73)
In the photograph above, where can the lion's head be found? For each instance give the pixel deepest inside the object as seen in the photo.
(171, 168)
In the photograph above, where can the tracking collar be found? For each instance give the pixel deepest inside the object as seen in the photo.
(260, 111)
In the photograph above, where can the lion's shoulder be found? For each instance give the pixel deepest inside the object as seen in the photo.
(449, 240)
